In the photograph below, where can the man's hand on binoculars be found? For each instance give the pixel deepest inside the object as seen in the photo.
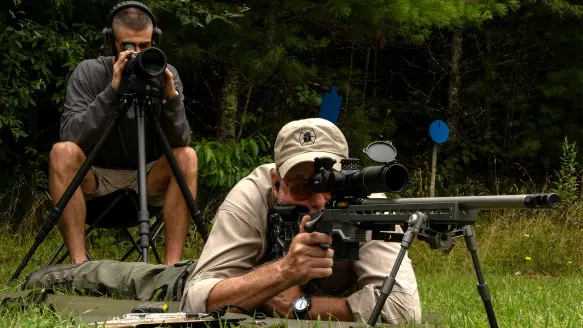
(169, 84)
(118, 68)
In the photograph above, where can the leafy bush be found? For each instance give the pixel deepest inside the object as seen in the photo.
(223, 163)
(566, 184)
(37, 59)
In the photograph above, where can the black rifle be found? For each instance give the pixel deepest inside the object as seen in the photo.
(351, 213)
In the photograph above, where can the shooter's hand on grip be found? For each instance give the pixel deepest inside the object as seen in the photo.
(305, 260)
(118, 68)
(310, 225)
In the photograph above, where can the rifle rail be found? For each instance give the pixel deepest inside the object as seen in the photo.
(444, 213)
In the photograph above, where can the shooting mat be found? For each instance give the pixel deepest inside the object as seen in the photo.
(91, 310)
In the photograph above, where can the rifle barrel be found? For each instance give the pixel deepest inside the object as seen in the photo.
(550, 200)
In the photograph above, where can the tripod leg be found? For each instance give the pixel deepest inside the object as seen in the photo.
(194, 211)
(56, 211)
(143, 214)
(416, 221)
(483, 290)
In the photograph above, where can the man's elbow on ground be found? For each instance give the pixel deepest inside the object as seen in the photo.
(196, 295)
(401, 306)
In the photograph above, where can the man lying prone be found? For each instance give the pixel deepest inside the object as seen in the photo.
(232, 268)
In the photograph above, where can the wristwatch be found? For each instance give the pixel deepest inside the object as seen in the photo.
(301, 306)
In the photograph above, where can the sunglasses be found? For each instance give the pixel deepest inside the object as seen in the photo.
(300, 191)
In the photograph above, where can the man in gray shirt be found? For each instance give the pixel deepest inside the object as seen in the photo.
(92, 99)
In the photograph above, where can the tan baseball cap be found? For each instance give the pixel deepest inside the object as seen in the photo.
(303, 140)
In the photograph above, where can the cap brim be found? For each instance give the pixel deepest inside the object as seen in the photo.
(307, 157)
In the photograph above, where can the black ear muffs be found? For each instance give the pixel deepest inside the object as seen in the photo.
(108, 36)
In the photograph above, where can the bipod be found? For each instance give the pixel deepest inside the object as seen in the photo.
(417, 223)
(472, 245)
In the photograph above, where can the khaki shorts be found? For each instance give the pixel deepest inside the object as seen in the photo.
(110, 180)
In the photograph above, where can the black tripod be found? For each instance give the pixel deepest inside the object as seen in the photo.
(140, 92)
(417, 225)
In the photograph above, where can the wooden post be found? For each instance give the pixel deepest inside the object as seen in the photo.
(433, 169)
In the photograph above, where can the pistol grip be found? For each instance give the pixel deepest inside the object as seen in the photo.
(311, 226)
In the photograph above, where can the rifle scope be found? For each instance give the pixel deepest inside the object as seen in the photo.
(353, 181)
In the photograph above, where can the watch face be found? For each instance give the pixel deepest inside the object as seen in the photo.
(301, 304)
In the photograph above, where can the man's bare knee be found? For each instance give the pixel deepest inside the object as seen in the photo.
(187, 160)
(66, 157)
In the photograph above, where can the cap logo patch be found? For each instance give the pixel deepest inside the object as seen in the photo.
(307, 137)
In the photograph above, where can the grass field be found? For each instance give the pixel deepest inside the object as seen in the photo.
(518, 301)
(532, 264)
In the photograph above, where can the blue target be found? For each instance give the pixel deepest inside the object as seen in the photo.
(330, 107)
(439, 131)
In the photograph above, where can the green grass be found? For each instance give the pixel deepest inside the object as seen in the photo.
(532, 264)
(518, 301)
(31, 316)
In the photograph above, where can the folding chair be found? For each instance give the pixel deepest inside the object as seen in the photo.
(118, 210)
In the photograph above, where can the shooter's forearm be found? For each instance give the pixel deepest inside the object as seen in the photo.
(249, 290)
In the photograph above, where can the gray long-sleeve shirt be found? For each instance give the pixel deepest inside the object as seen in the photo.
(90, 106)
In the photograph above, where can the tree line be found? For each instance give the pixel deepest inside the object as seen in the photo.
(506, 76)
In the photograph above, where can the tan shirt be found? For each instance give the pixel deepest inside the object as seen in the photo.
(238, 243)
